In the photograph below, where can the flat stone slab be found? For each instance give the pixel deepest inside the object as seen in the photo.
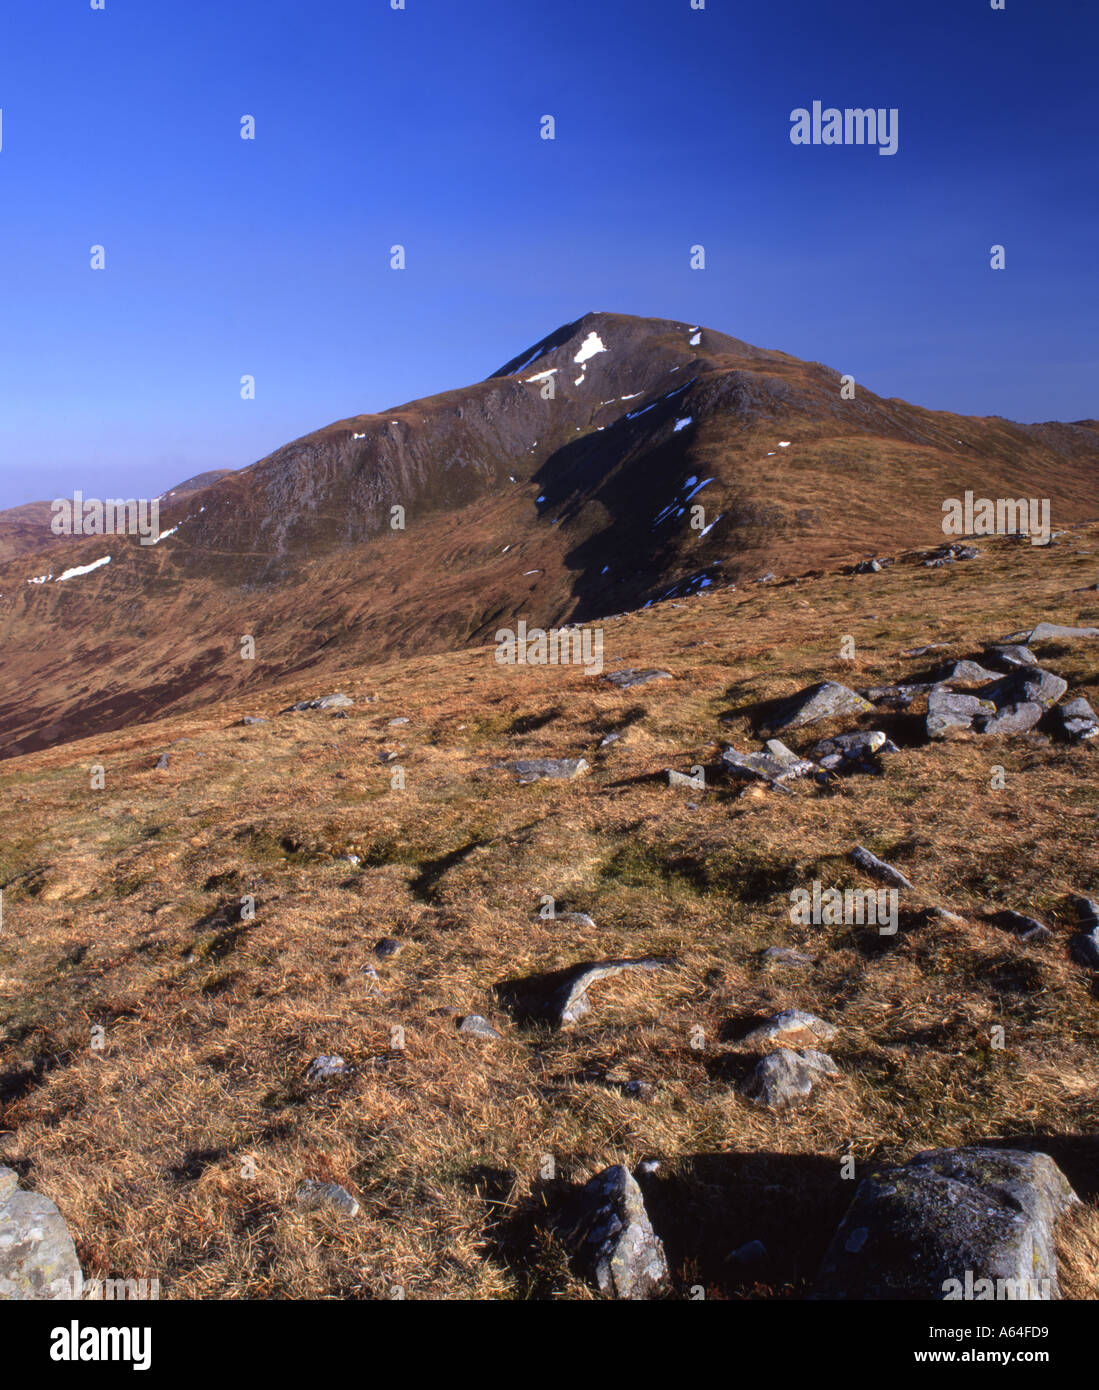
(786, 1078)
(561, 996)
(921, 1230)
(627, 680)
(878, 868)
(611, 1238)
(826, 700)
(37, 1255)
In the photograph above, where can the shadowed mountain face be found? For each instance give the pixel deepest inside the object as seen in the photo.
(517, 503)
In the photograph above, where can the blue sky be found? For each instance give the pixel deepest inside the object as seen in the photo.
(374, 126)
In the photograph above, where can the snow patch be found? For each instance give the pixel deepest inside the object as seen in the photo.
(682, 424)
(588, 348)
(543, 376)
(84, 569)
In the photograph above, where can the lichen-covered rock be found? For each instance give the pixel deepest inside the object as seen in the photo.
(827, 700)
(337, 701)
(947, 1220)
(37, 1255)
(611, 1237)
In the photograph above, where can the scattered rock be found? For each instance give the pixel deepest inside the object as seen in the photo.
(1011, 719)
(783, 955)
(626, 680)
(535, 769)
(786, 1078)
(37, 1255)
(1011, 655)
(826, 700)
(1078, 720)
(951, 1216)
(162, 762)
(611, 1237)
(868, 567)
(793, 1028)
(878, 868)
(1019, 924)
(387, 946)
(898, 696)
(682, 779)
(850, 745)
(336, 701)
(325, 1067)
(396, 723)
(560, 997)
(946, 711)
(762, 767)
(967, 674)
(1084, 945)
(478, 1027)
(608, 739)
(1027, 684)
(923, 651)
(1045, 632)
(252, 719)
(313, 1196)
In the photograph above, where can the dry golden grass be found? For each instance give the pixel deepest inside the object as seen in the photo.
(174, 1149)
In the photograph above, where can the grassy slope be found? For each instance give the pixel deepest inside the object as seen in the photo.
(208, 1027)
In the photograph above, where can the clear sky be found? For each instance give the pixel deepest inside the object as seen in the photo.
(270, 257)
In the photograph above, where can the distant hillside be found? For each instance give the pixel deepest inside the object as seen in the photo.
(514, 505)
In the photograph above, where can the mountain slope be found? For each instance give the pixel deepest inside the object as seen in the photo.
(514, 506)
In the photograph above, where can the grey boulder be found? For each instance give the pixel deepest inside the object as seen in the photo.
(826, 700)
(787, 1077)
(948, 711)
(948, 1219)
